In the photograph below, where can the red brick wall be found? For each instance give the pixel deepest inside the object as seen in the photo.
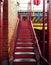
(50, 32)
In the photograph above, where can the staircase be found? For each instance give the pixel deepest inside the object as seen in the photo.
(24, 53)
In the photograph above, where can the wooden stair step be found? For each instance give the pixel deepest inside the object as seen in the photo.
(24, 60)
(24, 63)
(23, 45)
(25, 40)
(24, 50)
(25, 53)
(24, 56)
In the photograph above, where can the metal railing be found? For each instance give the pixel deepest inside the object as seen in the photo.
(39, 50)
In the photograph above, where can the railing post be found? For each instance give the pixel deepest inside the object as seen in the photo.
(43, 28)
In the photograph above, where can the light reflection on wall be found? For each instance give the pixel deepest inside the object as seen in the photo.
(24, 5)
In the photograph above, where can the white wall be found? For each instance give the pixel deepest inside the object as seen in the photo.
(24, 5)
(12, 18)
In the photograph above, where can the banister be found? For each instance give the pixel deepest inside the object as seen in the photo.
(38, 45)
(13, 40)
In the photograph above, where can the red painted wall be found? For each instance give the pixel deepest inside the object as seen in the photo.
(0, 29)
(0, 37)
(49, 31)
(5, 30)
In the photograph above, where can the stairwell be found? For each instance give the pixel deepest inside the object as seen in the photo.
(24, 52)
(26, 49)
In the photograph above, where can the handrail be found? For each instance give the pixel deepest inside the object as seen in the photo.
(38, 45)
(13, 40)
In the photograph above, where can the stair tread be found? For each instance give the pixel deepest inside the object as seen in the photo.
(24, 53)
(24, 60)
(24, 43)
(24, 39)
(24, 47)
(25, 34)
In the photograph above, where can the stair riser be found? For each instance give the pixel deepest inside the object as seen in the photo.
(24, 40)
(24, 37)
(24, 56)
(24, 32)
(24, 45)
(24, 50)
(24, 63)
